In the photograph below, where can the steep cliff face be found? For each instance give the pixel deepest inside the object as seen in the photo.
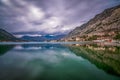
(6, 36)
(107, 21)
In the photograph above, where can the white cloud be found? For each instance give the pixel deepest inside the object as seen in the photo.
(48, 15)
(50, 25)
(21, 2)
(31, 35)
(52, 22)
(19, 36)
(6, 2)
(31, 13)
(35, 13)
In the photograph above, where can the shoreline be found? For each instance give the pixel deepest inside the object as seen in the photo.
(81, 42)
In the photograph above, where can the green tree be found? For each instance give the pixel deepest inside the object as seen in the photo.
(94, 37)
(117, 37)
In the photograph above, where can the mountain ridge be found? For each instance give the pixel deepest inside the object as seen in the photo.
(107, 21)
(6, 36)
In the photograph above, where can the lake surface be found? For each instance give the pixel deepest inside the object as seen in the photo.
(59, 62)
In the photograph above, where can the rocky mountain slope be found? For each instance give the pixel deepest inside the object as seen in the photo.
(6, 36)
(105, 23)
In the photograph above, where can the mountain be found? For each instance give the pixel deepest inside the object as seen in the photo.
(46, 37)
(6, 36)
(103, 25)
(39, 35)
(31, 36)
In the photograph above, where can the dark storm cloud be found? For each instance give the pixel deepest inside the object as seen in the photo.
(48, 15)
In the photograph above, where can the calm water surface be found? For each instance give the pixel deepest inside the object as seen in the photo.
(59, 62)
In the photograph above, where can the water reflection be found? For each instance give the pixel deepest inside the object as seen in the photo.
(37, 46)
(5, 48)
(54, 62)
(103, 56)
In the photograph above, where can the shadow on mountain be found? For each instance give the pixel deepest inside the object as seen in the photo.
(104, 57)
(5, 48)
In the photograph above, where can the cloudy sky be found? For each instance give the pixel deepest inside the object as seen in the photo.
(49, 16)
